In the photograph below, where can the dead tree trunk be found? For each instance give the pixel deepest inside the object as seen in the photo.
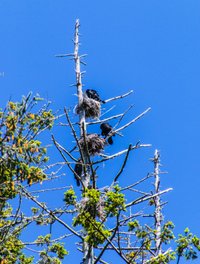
(158, 214)
(87, 249)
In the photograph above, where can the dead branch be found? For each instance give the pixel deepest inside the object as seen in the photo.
(68, 163)
(118, 97)
(123, 166)
(51, 189)
(122, 117)
(138, 182)
(104, 120)
(64, 150)
(147, 197)
(122, 152)
(134, 120)
(74, 133)
(41, 205)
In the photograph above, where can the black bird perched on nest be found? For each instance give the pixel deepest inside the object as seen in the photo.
(94, 95)
(105, 130)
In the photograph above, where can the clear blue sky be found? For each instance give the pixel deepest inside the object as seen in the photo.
(151, 47)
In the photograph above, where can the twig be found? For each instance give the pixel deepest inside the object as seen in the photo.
(51, 241)
(137, 191)
(147, 197)
(32, 198)
(67, 152)
(134, 120)
(106, 245)
(122, 152)
(122, 117)
(74, 133)
(68, 164)
(104, 120)
(107, 111)
(118, 97)
(138, 182)
(51, 189)
(123, 165)
(64, 55)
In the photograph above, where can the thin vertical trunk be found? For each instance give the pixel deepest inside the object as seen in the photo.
(158, 214)
(88, 257)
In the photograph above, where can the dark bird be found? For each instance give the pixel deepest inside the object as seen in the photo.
(94, 95)
(78, 170)
(105, 130)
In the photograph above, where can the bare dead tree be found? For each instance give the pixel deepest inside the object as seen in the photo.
(88, 176)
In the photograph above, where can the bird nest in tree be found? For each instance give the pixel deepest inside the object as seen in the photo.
(91, 107)
(92, 143)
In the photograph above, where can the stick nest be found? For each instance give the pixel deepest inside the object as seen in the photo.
(91, 107)
(93, 143)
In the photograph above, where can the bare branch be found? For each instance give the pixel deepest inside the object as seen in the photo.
(123, 165)
(52, 189)
(64, 55)
(104, 120)
(118, 97)
(138, 182)
(122, 152)
(113, 246)
(32, 198)
(64, 150)
(107, 111)
(147, 197)
(68, 163)
(134, 120)
(51, 241)
(122, 117)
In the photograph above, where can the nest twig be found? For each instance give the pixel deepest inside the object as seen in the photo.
(94, 144)
(91, 107)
